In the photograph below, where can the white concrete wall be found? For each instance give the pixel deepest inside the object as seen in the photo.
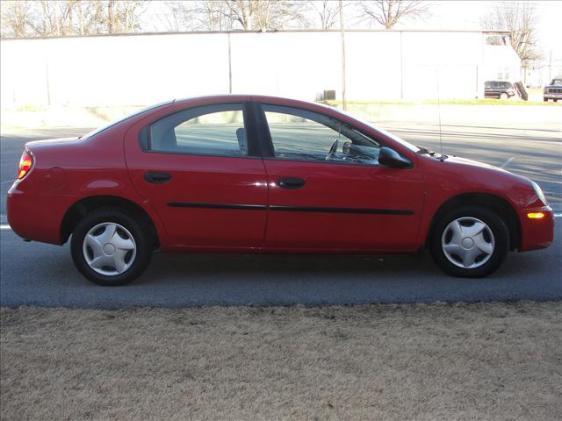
(143, 69)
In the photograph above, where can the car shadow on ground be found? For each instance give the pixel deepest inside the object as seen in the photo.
(174, 264)
(269, 267)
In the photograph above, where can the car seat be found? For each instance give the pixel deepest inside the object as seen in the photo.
(242, 141)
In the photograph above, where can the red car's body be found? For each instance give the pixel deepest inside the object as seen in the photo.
(216, 203)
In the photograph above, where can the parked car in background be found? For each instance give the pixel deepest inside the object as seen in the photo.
(499, 89)
(241, 173)
(553, 90)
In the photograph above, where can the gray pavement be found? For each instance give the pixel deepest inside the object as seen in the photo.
(40, 274)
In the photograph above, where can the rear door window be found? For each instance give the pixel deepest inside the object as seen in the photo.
(215, 130)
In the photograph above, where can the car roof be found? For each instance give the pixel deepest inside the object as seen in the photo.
(240, 97)
(264, 99)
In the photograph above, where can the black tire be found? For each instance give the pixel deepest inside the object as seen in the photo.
(140, 234)
(496, 225)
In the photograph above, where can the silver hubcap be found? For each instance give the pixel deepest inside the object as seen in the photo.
(109, 249)
(468, 242)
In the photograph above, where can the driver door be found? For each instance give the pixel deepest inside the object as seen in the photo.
(327, 191)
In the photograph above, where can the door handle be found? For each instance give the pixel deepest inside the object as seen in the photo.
(157, 177)
(291, 182)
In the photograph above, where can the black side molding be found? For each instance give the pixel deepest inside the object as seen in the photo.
(215, 205)
(286, 208)
(367, 211)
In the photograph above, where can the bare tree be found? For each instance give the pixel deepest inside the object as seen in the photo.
(226, 15)
(389, 12)
(16, 18)
(177, 16)
(37, 18)
(214, 15)
(255, 15)
(89, 17)
(69, 17)
(53, 18)
(519, 18)
(326, 11)
(122, 16)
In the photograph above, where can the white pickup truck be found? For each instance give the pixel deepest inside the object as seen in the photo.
(553, 90)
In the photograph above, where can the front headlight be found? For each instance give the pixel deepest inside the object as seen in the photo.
(539, 192)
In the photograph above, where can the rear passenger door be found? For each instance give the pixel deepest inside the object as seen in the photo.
(198, 168)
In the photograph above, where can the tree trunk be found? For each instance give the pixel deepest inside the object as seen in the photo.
(110, 17)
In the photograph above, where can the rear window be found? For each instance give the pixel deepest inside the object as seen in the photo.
(497, 84)
(114, 123)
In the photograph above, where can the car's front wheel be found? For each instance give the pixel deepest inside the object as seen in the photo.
(110, 247)
(470, 242)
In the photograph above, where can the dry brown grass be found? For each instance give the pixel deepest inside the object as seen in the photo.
(479, 361)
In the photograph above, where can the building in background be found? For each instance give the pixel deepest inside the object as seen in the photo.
(143, 69)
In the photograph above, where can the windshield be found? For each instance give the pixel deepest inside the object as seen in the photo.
(114, 123)
(556, 82)
(397, 139)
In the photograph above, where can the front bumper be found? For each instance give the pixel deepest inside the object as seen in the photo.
(536, 233)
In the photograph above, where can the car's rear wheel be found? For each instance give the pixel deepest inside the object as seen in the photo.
(110, 247)
(503, 95)
(470, 242)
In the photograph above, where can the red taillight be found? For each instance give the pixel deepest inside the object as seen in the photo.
(26, 162)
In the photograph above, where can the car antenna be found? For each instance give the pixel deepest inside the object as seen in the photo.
(439, 115)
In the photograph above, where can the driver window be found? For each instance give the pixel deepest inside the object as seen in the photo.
(306, 136)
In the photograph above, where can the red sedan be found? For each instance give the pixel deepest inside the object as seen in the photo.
(264, 174)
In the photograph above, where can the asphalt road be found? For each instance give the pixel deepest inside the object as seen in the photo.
(40, 274)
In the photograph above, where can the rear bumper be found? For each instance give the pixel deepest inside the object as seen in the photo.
(498, 95)
(536, 233)
(36, 217)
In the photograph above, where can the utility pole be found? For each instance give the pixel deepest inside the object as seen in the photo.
(550, 66)
(343, 78)
(229, 64)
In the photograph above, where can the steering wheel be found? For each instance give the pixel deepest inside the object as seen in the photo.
(333, 150)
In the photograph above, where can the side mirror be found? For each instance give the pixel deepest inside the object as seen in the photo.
(390, 158)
